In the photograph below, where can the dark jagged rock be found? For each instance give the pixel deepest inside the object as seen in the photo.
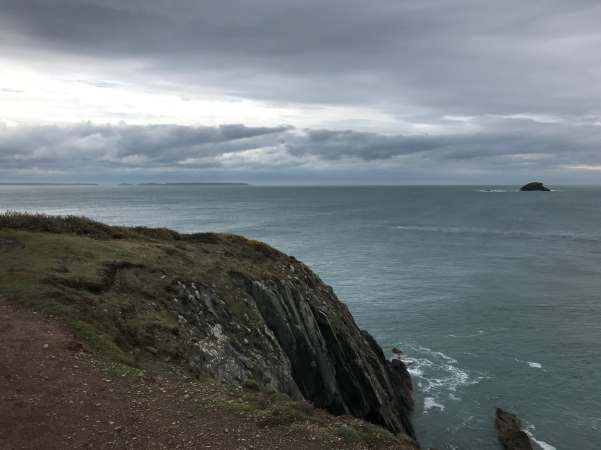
(509, 431)
(305, 344)
(534, 186)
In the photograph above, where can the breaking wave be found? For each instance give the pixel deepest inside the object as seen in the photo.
(430, 403)
(542, 444)
(531, 364)
(438, 376)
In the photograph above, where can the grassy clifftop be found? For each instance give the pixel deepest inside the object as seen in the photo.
(107, 282)
(218, 306)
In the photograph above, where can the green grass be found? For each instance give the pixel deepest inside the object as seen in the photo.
(358, 433)
(119, 370)
(65, 276)
(64, 267)
(99, 343)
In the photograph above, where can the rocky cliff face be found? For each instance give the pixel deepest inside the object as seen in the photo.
(298, 338)
(221, 305)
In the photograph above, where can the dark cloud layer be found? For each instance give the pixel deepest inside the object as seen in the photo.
(462, 56)
(267, 154)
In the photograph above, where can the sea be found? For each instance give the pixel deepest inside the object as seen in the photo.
(493, 295)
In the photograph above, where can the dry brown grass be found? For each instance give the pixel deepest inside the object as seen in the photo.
(81, 226)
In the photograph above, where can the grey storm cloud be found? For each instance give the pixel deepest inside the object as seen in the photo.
(95, 146)
(460, 56)
(96, 149)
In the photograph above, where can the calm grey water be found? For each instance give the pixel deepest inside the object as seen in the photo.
(496, 295)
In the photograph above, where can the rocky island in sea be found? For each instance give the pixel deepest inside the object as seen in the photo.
(194, 183)
(535, 186)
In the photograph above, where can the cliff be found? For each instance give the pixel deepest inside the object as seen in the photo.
(216, 304)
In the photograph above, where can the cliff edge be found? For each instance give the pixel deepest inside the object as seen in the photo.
(215, 304)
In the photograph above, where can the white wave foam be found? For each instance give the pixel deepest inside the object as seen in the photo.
(430, 403)
(479, 333)
(532, 364)
(437, 375)
(438, 372)
(542, 444)
(416, 372)
(495, 190)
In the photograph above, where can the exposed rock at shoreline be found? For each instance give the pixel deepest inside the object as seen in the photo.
(534, 186)
(221, 305)
(509, 431)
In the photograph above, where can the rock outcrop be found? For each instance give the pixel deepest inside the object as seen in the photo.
(509, 431)
(298, 338)
(534, 186)
(220, 305)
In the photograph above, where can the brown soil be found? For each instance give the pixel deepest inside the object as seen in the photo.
(53, 395)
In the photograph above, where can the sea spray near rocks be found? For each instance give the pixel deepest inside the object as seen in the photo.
(430, 403)
(439, 377)
(529, 430)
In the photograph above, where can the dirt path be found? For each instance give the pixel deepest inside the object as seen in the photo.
(55, 396)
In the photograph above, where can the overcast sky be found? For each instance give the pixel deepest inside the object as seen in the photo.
(307, 91)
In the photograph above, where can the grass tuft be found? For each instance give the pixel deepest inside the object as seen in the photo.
(99, 343)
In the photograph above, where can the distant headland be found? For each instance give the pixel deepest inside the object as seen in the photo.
(128, 184)
(190, 184)
(48, 184)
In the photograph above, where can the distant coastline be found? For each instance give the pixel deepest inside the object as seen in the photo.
(191, 184)
(48, 184)
(126, 184)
